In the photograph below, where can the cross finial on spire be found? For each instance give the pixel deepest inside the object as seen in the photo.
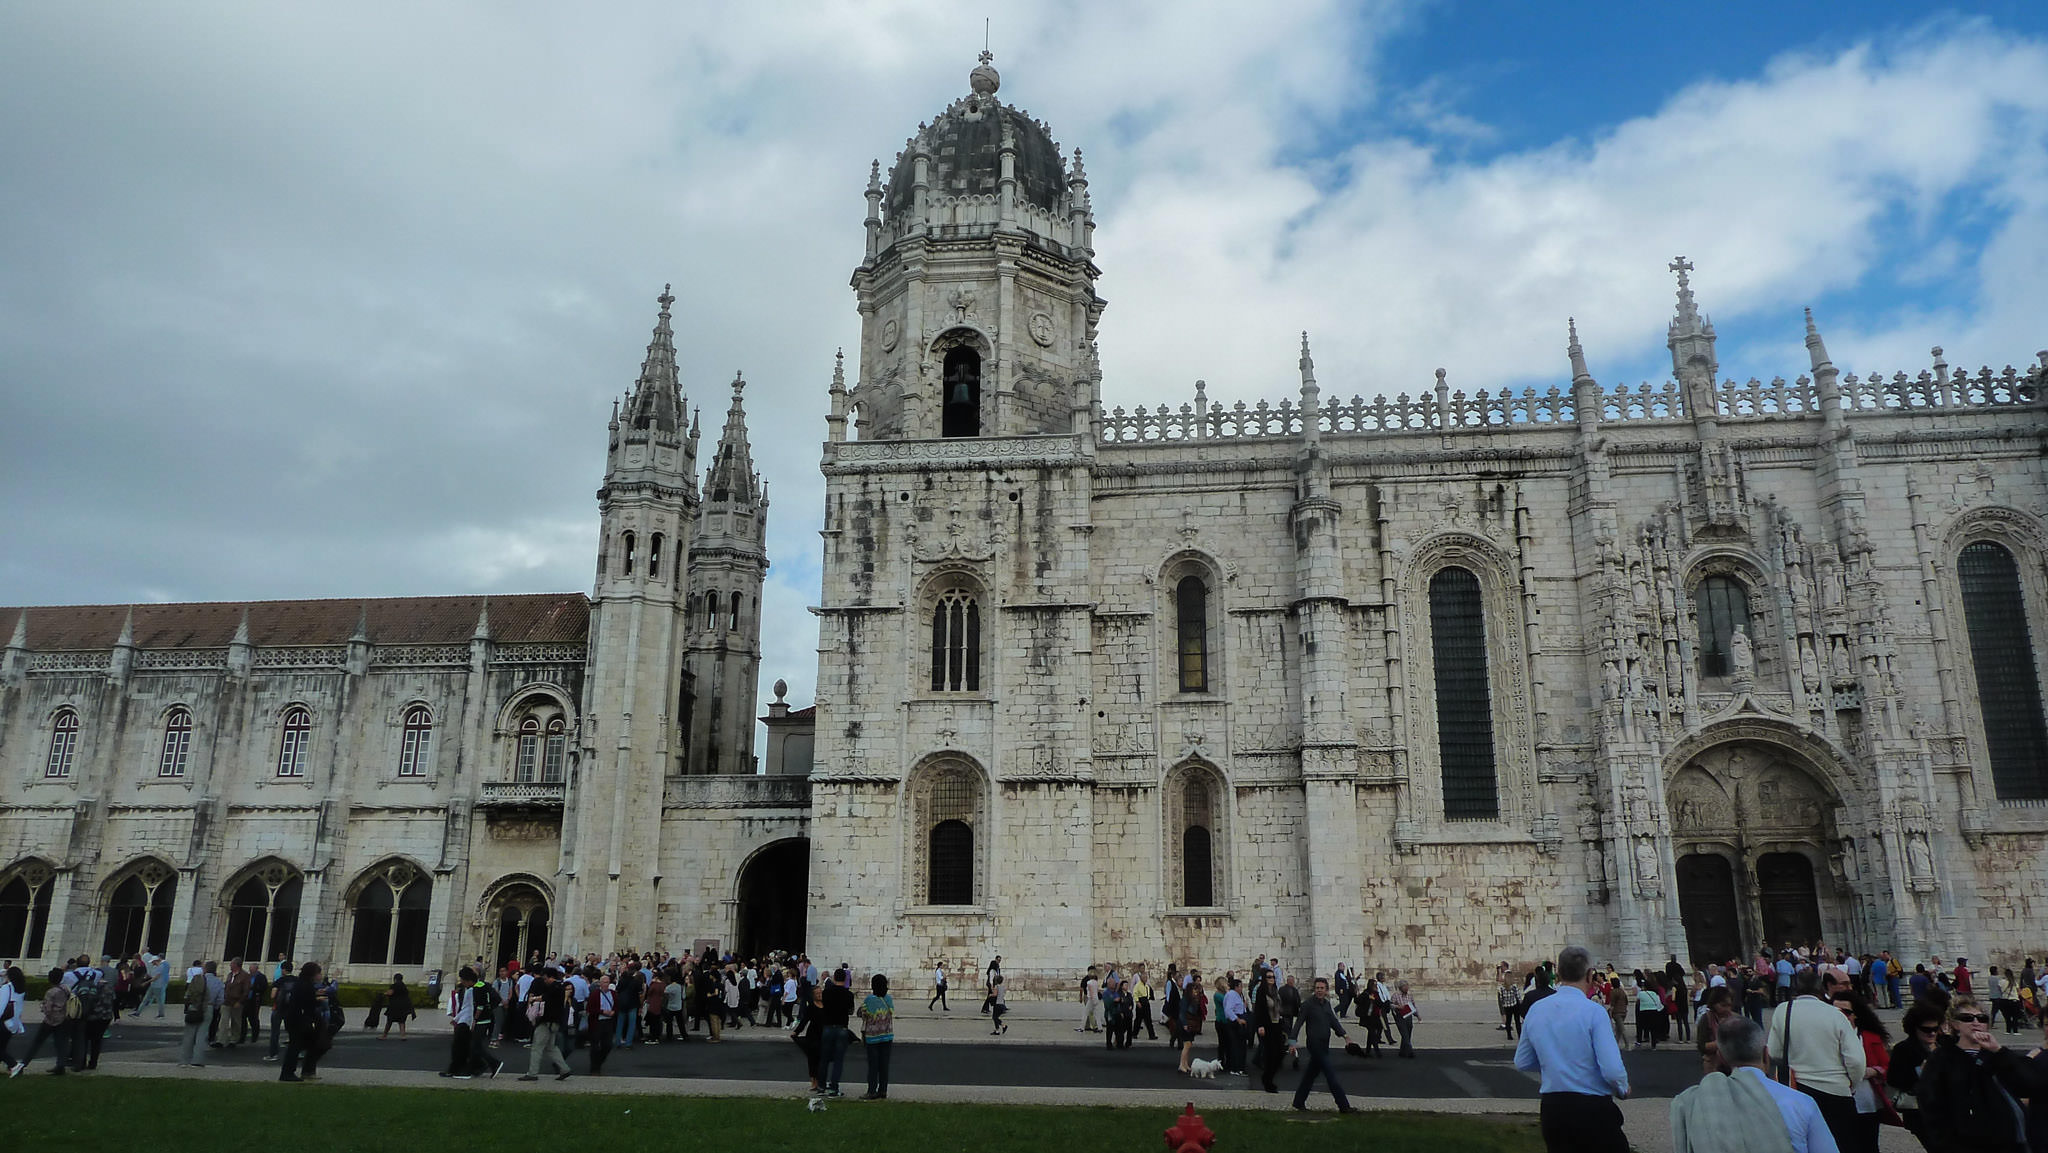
(666, 298)
(1681, 266)
(739, 381)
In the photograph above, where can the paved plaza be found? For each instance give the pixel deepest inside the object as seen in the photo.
(1464, 1065)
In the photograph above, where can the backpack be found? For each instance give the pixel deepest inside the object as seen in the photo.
(483, 1002)
(74, 1005)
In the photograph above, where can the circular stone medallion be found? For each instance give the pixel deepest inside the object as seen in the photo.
(1041, 329)
(891, 332)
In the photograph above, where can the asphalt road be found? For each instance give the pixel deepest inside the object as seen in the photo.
(1433, 1073)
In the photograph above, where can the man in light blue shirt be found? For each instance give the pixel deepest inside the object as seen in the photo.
(1784, 970)
(1725, 1113)
(1566, 1037)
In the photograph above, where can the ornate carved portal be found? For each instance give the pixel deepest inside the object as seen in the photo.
(1752, 827)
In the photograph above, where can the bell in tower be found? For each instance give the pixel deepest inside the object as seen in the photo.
(962, 416)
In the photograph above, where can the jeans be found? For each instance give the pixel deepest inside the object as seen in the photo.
(629, 1028)
(939, 999)
(832, 1062)
(600, 1044)
(1582, 1123)
(85, 1050)
(276, 1028)
(1319, 1062)
(878, 1068)
(155, 996)
(1407, 1027)
(479, 1056)
(459, 1051)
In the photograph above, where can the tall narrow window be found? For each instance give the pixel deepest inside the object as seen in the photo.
(1197, 856)
(139, 911)
(63, 744)
(654, 558)
(529, 750)
(1191, 604)
(555, 752)
(956, 643)
(711, 611)
(628, 557)
(25, 910)
(1723, 611)
(177, 743)
(734, 622)
(962, 412)
(676, 575)
(2008, 687)
(416, 743)
(1464, 704)
(298, 733)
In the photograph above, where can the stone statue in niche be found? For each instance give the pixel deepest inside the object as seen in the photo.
(1838, 659)
(1919, 859)
(1809, 666)
(1646, 865)
(1741, 659)
(1610, 676)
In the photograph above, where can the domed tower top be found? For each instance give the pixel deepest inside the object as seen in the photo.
(963, 149)
(977, 288)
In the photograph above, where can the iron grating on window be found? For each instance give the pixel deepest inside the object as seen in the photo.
(2008, 688)
(1464, 705)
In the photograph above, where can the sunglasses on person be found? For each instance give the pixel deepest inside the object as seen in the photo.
(1973, 1018)
(1928, 1029)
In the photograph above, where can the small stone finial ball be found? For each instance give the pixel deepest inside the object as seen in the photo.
(984, 80)
(781, 689)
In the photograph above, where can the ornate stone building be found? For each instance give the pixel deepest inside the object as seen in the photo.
(1422, 682)
(399, 784)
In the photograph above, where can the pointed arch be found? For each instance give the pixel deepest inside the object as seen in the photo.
(137, 898)
(26, 887)
(1994, 577)
(1196, 818)
(261, 902)
(390, 905)
(945, 801)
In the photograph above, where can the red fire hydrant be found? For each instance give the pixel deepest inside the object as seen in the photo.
(1189, 1135)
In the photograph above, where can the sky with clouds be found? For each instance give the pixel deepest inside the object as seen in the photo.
(302, 302)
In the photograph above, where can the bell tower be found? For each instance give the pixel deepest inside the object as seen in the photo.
(647, 514)
(728, 565)
(977, 291)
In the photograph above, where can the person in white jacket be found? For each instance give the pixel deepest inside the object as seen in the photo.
(1823, 1050)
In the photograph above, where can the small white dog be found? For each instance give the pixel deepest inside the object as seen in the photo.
(1206, 1070)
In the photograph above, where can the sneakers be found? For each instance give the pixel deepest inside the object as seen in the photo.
(833, 1094)
(465, 1076)
(290, 1077)
(529, 1077)
(271, 1057)
(562, 1076)
(496, 1068)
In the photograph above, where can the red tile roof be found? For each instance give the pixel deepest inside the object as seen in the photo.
(561, 617)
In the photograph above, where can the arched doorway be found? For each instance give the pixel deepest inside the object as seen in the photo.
(25, 908)
(1748, 819)
(774, 896)
(1710, 908)
(139, 910)
(263, 913)
(516, 917)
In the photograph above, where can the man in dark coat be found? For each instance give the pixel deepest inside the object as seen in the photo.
(1318, 1021)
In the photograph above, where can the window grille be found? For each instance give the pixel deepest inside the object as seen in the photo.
(1723, 607)
(2008, 686)
(1464, 704)
(298, 733)
(63, 745)
(950, 813)
(956, 644)
(1191, 601)
(177, 743)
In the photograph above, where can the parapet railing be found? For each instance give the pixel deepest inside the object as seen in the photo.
(1453, 410)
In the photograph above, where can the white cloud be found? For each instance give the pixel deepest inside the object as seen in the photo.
(303, 303)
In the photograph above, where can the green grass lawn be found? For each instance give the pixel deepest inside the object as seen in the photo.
(174, 1116)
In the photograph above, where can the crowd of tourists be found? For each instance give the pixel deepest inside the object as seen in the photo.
(1794, 1052)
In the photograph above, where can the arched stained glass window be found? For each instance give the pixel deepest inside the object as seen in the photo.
(2008, 684)
(1723, 608)
(1464, 700)
(416, 742)
(1191, 610)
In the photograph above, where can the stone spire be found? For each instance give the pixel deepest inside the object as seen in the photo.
(483, 622)
(1691, 340)
(124, 649)
(241, 649)
(835, 423)
(1586, 398)
(14, 663)
(20, 638)
(732, 466)
(657, 398)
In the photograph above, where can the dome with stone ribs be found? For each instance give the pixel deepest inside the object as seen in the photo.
(964, 145)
